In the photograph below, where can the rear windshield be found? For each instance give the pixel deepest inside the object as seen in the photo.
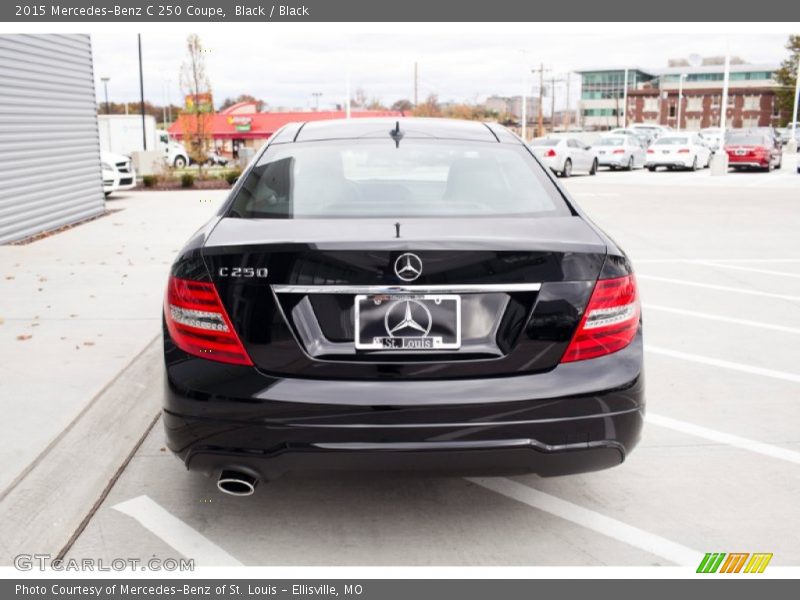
(611, 141)
(372, 178)
(672, 141)
(544, 142)
(747, 140)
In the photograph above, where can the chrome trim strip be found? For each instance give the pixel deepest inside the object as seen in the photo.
(476, 288)
(453, 424)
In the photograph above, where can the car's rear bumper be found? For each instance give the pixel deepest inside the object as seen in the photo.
(580, 416)
(607, 161)
(734, 161)
(668, 163)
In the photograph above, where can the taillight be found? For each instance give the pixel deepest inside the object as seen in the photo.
(550, 153)
(618, 152)
(683, 151)
(651, 151)
(198, 323)
(610, 321)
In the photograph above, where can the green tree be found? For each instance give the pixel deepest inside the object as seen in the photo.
(403, 105)
(787, 77)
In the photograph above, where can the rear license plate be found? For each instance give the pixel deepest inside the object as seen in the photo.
(601, 152)
(407, 322)
(741, 152)
(665, 151)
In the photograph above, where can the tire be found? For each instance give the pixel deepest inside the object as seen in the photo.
(179, 162)
(694, 164)
(630, 164)
(593, 170)
(651, 169)
(567, 170)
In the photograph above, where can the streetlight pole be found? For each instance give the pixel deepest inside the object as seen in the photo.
(794, 141)
(680, 100)
(316, 100)
(719, 166)
(625, 101)
(105, 81)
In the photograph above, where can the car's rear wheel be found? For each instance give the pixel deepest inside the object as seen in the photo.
(593, 170)
(630, 164)
(179, 162)
(694, 164)
(567, 170)
(651, 169)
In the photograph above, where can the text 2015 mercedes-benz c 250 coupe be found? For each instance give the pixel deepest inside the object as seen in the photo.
(400, 294)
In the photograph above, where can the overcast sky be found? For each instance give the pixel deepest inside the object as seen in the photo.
(457, 63)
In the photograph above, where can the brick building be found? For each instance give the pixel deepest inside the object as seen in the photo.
(752, 100)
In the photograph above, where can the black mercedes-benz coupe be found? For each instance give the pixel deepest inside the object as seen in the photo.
(400, 294)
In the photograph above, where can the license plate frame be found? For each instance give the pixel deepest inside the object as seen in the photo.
(434, 318)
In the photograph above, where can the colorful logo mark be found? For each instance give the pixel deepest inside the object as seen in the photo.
(734, 562)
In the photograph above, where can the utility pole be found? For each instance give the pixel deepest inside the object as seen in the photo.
(316, 100)
(416, 84)
(141, 93)
(540, 124)
(347, 91)
(565, 121)
(552, 103)
(105, 81)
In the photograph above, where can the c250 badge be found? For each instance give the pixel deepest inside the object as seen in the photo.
(246, 272)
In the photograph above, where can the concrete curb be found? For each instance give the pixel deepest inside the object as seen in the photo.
(45, 508)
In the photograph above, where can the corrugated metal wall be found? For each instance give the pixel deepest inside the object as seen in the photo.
(49, 147)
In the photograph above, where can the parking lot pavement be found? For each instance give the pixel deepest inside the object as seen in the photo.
(718, 467)
(76, 307)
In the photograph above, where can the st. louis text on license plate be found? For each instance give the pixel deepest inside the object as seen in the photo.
(407, 322)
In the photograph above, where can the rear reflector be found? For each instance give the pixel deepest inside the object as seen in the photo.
(610, 321)
(683, 151)
(618, 152)
(198, 323)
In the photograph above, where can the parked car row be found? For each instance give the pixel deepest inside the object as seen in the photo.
(629, 149)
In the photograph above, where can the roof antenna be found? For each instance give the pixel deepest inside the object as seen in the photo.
(396, 134)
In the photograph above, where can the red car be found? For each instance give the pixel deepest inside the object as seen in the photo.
(753, 150)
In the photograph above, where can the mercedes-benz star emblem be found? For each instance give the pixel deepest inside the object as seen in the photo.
(408, 266)
(407, 318)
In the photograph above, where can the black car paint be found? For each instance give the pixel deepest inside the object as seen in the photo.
(482, 413)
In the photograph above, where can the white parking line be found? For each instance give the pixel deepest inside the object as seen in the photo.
(715, 260)
(724, 364)
(711, 263)
(722, 288)
(711, 317)
(176, 533)
(724, 438)
(633, 536)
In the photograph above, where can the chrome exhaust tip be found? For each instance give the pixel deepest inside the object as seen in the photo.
(236, 483)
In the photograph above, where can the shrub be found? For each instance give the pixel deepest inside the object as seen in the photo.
(187, 180)
(149, 181)
(232, 176)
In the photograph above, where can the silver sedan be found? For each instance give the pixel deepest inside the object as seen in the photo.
(620, 152)
(565, 156)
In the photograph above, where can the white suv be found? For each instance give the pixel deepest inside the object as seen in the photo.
(118, 172)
